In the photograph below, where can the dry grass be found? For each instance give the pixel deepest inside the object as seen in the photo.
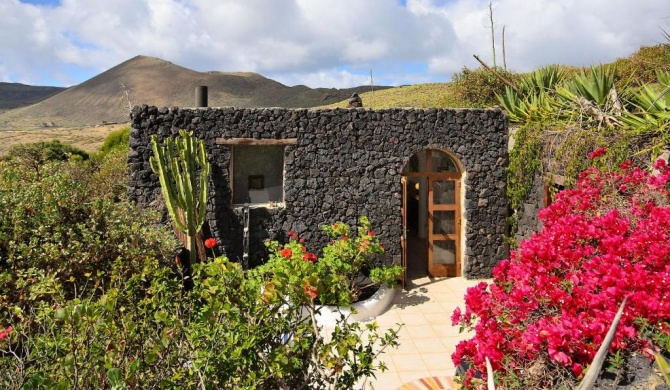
(433, 95)
(87, 138)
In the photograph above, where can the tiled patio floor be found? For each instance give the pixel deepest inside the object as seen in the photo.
(427, 338)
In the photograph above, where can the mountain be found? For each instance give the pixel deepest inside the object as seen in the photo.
(14, 95)
(108, 96)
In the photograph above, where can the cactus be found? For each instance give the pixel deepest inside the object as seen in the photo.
(175, 164)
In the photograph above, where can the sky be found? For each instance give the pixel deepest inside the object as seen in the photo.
(318, 43)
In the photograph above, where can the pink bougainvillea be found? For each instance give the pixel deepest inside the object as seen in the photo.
(555, 298)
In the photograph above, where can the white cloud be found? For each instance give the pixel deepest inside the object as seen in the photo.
(311, 41)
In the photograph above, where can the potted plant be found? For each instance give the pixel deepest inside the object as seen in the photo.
(346, 274)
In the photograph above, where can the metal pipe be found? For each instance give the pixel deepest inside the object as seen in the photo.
(201, 96)
(245, 241)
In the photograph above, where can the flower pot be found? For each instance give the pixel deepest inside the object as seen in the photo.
(366, 310)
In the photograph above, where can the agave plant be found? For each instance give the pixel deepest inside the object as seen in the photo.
(594, 96)
(545, 79)
(532, 107)
(652, 110)
(663, 364)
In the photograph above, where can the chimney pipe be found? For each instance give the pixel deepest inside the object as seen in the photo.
(201, 96)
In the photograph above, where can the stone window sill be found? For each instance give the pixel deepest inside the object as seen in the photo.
(280, 205)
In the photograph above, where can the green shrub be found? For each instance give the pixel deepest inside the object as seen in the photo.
(55, 224)
(338, 275)
(479, 87)
(145, 332)
(117, 139)
(36, 154)
(641, 67)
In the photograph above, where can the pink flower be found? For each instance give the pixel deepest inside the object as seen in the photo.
(5, 333)
(601, 151)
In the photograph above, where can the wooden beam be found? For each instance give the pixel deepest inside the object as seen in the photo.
(254, 141)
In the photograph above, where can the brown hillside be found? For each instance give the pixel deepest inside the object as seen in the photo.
(147, 80)
(14, 95)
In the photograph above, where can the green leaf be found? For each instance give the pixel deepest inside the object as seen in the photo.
(115, 376)
(60, 314)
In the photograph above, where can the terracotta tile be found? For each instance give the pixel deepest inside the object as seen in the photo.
(409, 363)
(385, 381)
(446, 330)
(444, 372)
(421, 332)
(433, 307)
(406, 347)
(439, 319)
(412, 319)
(388, 319)
(429, 346)
(447, 297)
(437, 361)
(410, 376)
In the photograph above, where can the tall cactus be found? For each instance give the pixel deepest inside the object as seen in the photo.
(175, 164)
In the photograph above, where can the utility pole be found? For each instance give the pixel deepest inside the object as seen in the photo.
(504, 55)
(493, 37)
(372, 88)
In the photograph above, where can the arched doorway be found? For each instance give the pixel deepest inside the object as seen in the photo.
(431, 183)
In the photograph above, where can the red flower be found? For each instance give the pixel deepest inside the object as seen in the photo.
(302, 240)
(335, 226)
(577, 369)
(382, 246)
(210, 243)
(292, 234)
(371, 234)
(311, 291)
(597, 153)
(287, 253)
(5, 333)
(345, 238)
(310, 257)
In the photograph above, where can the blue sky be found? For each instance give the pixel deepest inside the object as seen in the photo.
(319, 43)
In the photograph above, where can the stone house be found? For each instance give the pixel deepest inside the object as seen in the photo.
(432, 181)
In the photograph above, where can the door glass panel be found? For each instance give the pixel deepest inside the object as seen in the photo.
(444, 252)
(441, 162)
(444, 222)
(444, 192)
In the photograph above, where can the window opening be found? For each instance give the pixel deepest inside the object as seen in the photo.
(257, 174)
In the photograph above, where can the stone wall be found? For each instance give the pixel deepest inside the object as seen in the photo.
(346, 163)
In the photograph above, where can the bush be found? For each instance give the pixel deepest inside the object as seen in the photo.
(118, 139)
(86, 301)
(228, 332)
(641, 67)
(339, 275)
(479, 87)
(35, 155)
(56, 224)
(550, 304)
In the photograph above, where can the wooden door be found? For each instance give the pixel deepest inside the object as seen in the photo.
(403, 237)
(444, 220)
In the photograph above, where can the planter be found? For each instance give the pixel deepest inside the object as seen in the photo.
(365, 310)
